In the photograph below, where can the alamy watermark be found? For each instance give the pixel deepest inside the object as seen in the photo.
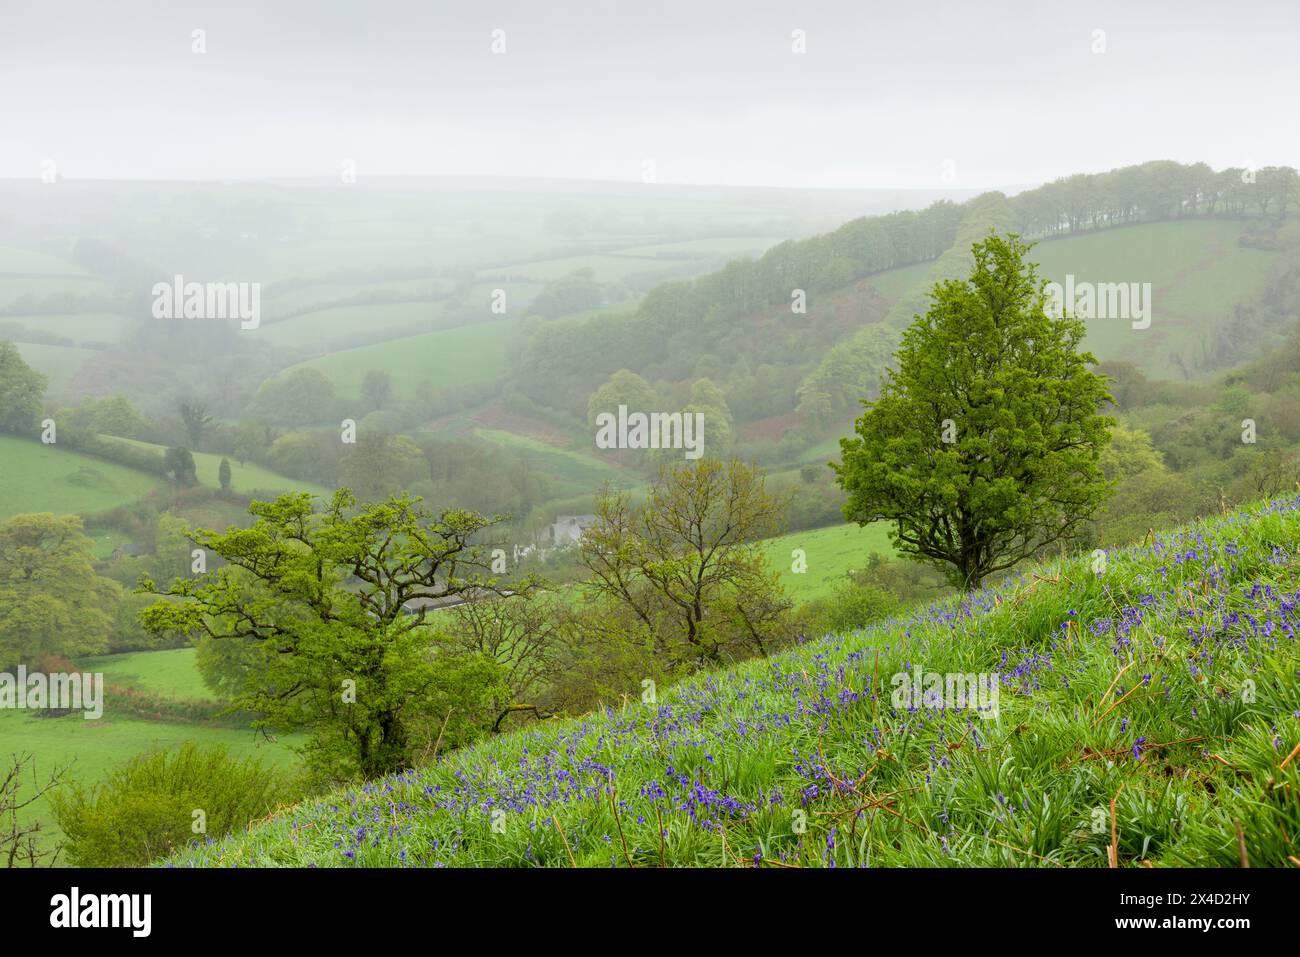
(212, 300)
(951, 690)
(61, 691)
(651, 430)
(1101, 300)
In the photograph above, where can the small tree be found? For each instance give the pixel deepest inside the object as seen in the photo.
(160, 801)
(523, 634)
(223, 475)
(336, 603)
(197, 421)
(179, 464)
(377, 388)
(983, 447)
(20, 841)
(687, 564)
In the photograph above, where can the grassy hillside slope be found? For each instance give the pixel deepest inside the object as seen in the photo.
(1166, 684)
(46, 478)
(92, 748)
(445, 359)
(247, 477)
(829, 553)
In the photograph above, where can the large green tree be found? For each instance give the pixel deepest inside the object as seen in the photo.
(983, 447)
(21, 390)
(328, 612)
(52, 604)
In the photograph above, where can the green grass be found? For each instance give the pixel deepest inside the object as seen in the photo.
(46, 478)
(93, 747)
(245, 478)
(575, 472)
(445, 359)
(171, 672)
(1167, 684)
(894, 283)
(323, 329)
(13, 288)
(721, 247)
(1197, 270)
(830, 553)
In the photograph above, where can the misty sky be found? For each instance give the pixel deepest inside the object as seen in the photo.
(886, 94)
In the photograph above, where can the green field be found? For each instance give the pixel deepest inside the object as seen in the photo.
(171, 672)
(578, 473)
(831, 553)
(13, 288)
(325, 329)
(445, 359)
(245, 478)
(1197, 271)
(93, 747)
(893, 284)
(46, 478)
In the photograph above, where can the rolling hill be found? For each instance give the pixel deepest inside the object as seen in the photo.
(47, 478)
(1166, 685)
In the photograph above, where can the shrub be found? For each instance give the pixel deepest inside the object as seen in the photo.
(150, 806)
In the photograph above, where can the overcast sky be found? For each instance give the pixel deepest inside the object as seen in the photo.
(886, 94)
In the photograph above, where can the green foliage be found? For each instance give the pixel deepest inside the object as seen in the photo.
(223, 474)
(684, 567)
(377, 389)
(339, 600)
(1107, 693)
(849, 372)
(982, 448)
(1129, 452)
(380, 465)
(576, 292)
(622, 388)
(152, 805)
(179, 464)
(299, 397)
(51, 601)
(113, 415)
(197, 420)
(21, 391)
(853, 605)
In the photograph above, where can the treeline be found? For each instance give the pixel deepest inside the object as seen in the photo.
(739, 322)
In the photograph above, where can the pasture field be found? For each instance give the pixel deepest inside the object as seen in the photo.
(46, 478)
(1198, 273)
(446, 359)
(16, 260)
(16, 287)
(893, 284)
(244, 478)
(575, 473)
(317, 329)
(830, 554)
(93, 747)
(171, 672)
